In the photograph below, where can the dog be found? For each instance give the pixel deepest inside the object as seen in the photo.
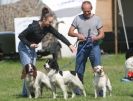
(34, 80)
(129, 68)
(64, 79)
(101, 82)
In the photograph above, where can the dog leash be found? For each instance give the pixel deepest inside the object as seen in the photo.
(88, 40)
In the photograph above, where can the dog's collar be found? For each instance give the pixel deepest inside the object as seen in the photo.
(98, 75)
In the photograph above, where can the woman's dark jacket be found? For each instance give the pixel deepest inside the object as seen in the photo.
(34, 34)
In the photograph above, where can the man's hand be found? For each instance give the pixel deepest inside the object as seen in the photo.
(94, 38)
(81, 37)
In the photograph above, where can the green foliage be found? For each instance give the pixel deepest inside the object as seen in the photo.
(11, 84)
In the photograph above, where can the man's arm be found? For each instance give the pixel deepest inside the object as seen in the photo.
(99, 36)
(73, 34)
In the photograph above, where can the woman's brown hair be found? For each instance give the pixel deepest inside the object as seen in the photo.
(45, 13)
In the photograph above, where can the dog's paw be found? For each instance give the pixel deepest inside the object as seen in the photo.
(73, 95)
(30, 97)
(54, 96)
(110, 94)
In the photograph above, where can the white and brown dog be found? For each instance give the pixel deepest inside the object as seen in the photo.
(101, 82)
(128, 66)
(64, 79)
(34, 80)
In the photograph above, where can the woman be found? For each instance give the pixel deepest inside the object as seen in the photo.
(33, 35)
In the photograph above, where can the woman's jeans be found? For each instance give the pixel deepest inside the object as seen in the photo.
(85, 50)
(27, 55)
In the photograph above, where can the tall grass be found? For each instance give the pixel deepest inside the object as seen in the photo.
(11, 84)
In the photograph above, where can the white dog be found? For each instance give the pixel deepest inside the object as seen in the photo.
(128, 66)
(34, 81)
(101, 82)
(64, 79)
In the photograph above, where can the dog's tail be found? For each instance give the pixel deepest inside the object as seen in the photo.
(75, 74)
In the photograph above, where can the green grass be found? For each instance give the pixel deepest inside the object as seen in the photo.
(11, 84)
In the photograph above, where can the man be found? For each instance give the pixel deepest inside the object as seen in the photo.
(90, 32)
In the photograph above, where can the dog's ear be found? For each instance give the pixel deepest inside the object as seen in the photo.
(34, 71)
(55, 64)
(102, 68)
(95, 68)
(26, 68)
(47, 60)
(34, 74)
(23, 75)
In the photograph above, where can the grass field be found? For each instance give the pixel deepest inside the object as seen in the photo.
(11, 84)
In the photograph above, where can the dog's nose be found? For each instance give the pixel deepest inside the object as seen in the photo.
(100, 71)
(31, 70)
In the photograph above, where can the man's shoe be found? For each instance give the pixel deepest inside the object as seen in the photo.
(77, 91)
(24, 95)
(100, 93)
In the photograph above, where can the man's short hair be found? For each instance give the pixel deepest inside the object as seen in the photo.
(86, 2)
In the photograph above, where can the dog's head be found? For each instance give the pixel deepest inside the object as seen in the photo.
(98, 70)
(51, 64)
(30, 70)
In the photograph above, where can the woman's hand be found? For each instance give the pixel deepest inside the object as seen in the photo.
(72, 48)
(34, 45)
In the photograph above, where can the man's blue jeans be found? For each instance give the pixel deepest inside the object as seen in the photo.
(91, 50)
